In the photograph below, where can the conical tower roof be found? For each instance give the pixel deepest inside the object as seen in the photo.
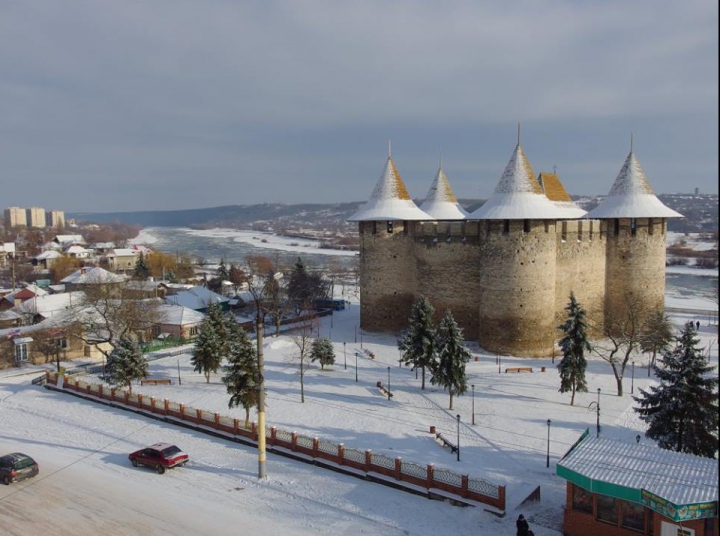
(518, 195)
(557, 194)
(440, 202)
(631, 196)
(390, 200)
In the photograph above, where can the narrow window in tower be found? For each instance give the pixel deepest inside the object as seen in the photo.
(580, 230)
(374, 227)
(405, 228)
(633, 226)
(651, 226)
(563, 235)
(617, 227)
(590, 230)
(389, 227)
(547, 226)
(526, 226)
(662, 226)
(506, 226)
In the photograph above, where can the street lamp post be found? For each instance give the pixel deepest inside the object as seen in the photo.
(632, 377)
(388, 383)
(356, 365)
(499, 362)
(361, 338)
(473, 403)
(547, 461)
(345, 355)
(458, 437)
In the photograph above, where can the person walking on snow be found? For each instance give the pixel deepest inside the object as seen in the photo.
(523, 528)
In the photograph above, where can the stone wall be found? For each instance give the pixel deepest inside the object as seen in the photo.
(387, 275)
(447, 259)
(517, 286)
(580, 268)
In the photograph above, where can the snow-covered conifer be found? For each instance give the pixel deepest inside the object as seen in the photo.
(125, 363)
(418, 344)
(449, 372)
(574, 345)
(323, 352)
(242, 378)
(682, 411)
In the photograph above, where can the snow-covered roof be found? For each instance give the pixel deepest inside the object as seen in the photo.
(440, 202)
(677, 477)
(7, 247)
(555, 192)
(90, 276)
(49, 305)
(177, 315)
(75, 248)
(123, 252)
(390, 200)
(49, 254)
(102, 245)
(631, 196)
(27, 292)
(196, 298)
(518, 195)
(64, 239)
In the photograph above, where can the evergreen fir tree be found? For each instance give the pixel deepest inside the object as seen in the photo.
(418, 344)
(142, 271)
(125, 364)
(242, 378)
(574, 345)
(222, 273)
(211, 344)
(322, 351)
(452, 358)
(682, 411)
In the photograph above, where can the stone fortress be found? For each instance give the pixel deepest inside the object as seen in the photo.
(506, 271)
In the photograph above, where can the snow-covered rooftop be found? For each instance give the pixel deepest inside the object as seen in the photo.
(196, 298)
(48, 254)
(631, 196)
(123, 252)
(440, 202)
(49, 305)
(177, 315)
(95, 275)
(390, 199)
(518, 195)
(676, 477)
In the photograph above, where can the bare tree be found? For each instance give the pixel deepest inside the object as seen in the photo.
(54, 342)
(109, 312)
(266, 282)
(302, 336)
(621, 336)
(657, 335)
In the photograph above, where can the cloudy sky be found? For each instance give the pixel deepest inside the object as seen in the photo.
(164, 104)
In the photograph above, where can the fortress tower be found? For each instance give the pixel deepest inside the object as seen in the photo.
(636, 221)
(507, 270)
(387, 268)
(517, 263)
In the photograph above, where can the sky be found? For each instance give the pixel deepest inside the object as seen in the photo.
(170, 104)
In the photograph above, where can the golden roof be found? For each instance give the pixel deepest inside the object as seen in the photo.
(553, 188)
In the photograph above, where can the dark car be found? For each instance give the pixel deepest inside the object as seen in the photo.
(17, 466)
(159, 456)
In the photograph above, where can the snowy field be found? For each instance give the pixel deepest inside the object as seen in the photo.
(259, 239)
(87, 485)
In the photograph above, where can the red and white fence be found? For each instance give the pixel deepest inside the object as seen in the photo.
(425, 476)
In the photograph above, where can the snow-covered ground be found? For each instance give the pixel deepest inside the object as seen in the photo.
(87, 486)
(258, 239)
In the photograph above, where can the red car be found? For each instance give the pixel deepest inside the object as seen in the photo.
(159, 456)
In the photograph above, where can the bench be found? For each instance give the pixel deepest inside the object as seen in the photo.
(445, 442)
(156, 381)
(384, 389)
(369, 354)
(518, 369)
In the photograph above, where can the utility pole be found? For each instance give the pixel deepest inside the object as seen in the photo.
(262, 471)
